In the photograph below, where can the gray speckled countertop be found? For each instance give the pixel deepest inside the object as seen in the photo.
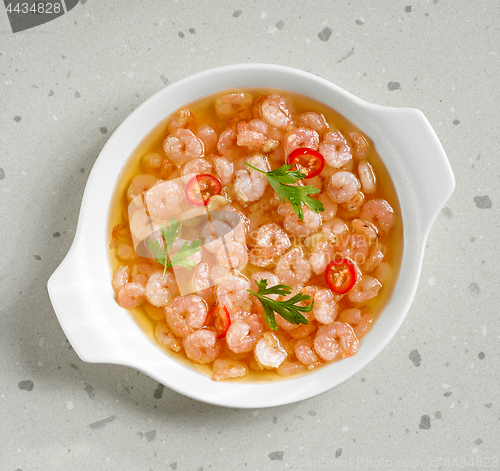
(429, 400)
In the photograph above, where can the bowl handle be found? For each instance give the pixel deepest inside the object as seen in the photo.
(88, 325)
(408, 128)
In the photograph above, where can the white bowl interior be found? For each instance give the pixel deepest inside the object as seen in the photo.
(80, 289)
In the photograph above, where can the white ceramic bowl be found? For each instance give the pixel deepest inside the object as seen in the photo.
(80, 289)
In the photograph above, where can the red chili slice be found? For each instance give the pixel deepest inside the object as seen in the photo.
(218, 317)
(308, 161)
(340, 275)
(201, 188)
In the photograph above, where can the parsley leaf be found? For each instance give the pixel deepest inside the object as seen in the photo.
(286, 309)
(170, 235)
(283, 182)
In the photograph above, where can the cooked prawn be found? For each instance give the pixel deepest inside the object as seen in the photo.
(160, 288)
(202, 346)
(325, 308)
(186, 313)
(269, 242)
(342, 187)
(297, 227)
(335, 340)
(139, 185)
(194, 167)
(234, 104)
(166, 339)
(154, 163)
(223, 170)
(330, 207)
(182, 146)
(321, 256)
(367, 177)
(293, 269)
(249, 184)
(277, 111)
(121, 277)
(232, 293)
(301, 137)
(248, 137)
(365, 289)
(335, 149)
(243, 334)
(131, 295)
(164, 198)
(375, 258)
(359, 144)
(313, 120)
(183, 119)
(269, 352)
(380, 213)
(304, 351)
(208, 136)
(227, 368)
(360, 321)
(234, 255)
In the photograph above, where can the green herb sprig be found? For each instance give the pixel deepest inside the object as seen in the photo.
(283, 181)
(170, 235)
(287, 309)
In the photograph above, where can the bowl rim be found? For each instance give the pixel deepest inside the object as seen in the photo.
(79, 297)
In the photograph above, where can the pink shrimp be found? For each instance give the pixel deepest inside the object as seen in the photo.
(234, 104)
(269, 351)
(232, 293)
(380, 213)
(202, 346)
(269, 242)
(182, 146)
(154, 163)
(313, 120)
(233, 255)
(202, 283)
(141, 272)
(183, 119)
(367, 177)
(139, 185)
(300, 227)
(166, 339)
(251, 138)
(121, 277)
(359, 144)
(342, 187)
(365, 289)
(228, 368)
(375, 258)
(325, 308)
(199, 166)
(330, 207)
(185, 314)
(277, 111)
(301, 137)
(223, 170)
(321, 256)
(249, 184)
(131, 295)
(335, 149)
(243, 334)
(288, 368)
(304, 351)
(292, 268)
(226, 139)
(160, 288)
(361, 322)
(163, 199)
(208, 136)
(335, 230)
(335, 340)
